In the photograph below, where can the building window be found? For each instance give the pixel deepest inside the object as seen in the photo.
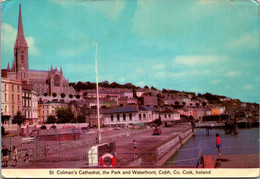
(5, 86)
(18, 108)
(140, 116)
(144, 117)
(18, 89)
(13, 110)
(12, 97)
(118, 117)
(165, 115)
(12, 88)
(5, 97)
(124, 117)
(22, 58)
(5, 109)
(18, 98)
(169, 115)
(56, 80)
(130, 116)
(112, 119)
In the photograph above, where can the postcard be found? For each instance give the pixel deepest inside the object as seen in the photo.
(129, 88)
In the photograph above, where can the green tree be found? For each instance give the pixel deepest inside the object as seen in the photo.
(158, 121)
(77, 96)
(54, 94)
(71, 96)
(45, 94)
(63, 95)
(164, 90)
(51, 119)
(146, 87)
(153, 88)
(18, 118)
(64, 115)
(80, 119)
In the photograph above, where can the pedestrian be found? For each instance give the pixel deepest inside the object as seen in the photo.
(5, 152)
(26, 157)
(218, 144)
(135, 145)
(47, 148)
(15, 156)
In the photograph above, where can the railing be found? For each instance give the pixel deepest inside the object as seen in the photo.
(208, 147)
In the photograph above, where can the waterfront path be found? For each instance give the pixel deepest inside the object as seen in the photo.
(237, 161)
(77, 158)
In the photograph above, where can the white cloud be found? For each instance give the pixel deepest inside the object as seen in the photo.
(140, 70)
(159, 66)
(9, 36)
(214, 82)
(233, 74)
(248, 87)
(111, 9)
(197, 60)
(249, 40)
(78, 68)
(140, 83)
(121, 79)
(33, 50)
(73, 51)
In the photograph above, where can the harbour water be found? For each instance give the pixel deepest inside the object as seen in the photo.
(245, 142)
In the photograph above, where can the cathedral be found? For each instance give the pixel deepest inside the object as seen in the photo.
(43, 81)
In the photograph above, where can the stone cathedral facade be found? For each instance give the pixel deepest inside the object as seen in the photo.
(43, 81)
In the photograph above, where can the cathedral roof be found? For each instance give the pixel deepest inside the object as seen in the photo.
(20, 39)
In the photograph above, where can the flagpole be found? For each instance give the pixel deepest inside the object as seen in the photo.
(99, 133)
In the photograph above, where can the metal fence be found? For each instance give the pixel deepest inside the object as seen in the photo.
(192, 156)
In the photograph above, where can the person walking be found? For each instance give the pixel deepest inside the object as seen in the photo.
(47, 149)
(218, 144)
(135, 145)
(5, 152)
(15, 156)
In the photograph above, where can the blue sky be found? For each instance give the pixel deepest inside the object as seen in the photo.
(200, 46)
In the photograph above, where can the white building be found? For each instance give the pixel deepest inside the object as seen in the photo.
(168, 116)
(129, 115)
(49, 108)
(11, 98)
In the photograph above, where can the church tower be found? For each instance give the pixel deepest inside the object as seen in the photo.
(20, 51)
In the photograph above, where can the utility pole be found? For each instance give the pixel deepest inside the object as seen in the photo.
(99, 133)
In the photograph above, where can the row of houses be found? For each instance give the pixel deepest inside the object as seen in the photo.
(16, 96)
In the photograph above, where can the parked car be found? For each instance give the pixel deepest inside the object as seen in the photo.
(157, 131)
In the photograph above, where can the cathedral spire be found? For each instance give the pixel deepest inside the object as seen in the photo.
(20, 39)
(12, 69)
(8, 67)
(51, 67)
(61, 70)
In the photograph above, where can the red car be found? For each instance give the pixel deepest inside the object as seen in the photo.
(157, 131)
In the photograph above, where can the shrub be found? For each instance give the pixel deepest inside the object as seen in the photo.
(62, 95)
(43, 127)
(53, 127)
(54, 94)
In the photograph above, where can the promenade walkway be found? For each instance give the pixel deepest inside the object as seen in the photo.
(146, 143)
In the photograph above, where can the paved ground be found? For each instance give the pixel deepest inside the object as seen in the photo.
(238, 161)
(77, 158)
